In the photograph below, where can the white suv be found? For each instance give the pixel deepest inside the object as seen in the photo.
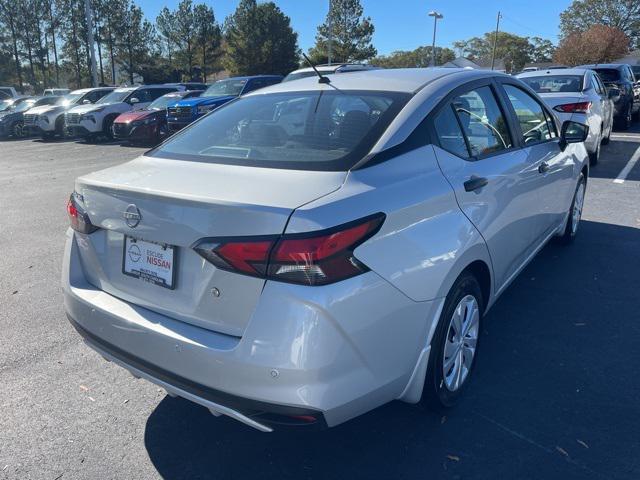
(92, 121)
(48, 120)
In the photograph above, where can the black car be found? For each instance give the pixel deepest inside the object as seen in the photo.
(620, 76)
(12, 119)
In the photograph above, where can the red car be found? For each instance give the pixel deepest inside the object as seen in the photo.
(149, 125)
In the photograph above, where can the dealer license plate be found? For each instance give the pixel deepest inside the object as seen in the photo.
(149, 261)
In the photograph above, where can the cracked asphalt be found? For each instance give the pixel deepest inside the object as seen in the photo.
(556, 392)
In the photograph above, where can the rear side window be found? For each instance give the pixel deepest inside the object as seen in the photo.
(482, 121)
(328, 130)
(531, 116)
(608, 74)
(449, 133)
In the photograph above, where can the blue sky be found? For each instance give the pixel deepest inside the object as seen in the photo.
(404, 25)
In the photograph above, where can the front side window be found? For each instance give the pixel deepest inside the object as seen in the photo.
(531, 116)
(449, 133)
(328, 130)
(482, 121)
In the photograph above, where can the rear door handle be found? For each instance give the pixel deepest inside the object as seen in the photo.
(543, 168)
(474, 183)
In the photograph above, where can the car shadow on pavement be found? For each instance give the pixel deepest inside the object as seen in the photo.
(554, 395)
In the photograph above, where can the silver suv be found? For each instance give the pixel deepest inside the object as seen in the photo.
(311, 251)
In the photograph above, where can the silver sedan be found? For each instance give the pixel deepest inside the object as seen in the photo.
(578, 94)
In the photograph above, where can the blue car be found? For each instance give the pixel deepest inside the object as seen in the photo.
(186, 111)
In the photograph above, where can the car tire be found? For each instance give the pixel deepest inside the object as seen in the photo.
(594, 156)
(625, 120)
(607, 139)
(59, 128)
(106, 127)
(575, 212)
(455, 343)
(17, 130)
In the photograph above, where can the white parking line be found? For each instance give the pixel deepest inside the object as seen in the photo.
(627, 168)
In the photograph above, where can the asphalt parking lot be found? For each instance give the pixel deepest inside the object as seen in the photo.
(556, 392)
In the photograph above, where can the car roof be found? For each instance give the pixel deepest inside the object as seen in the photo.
(334, 67)
(563, 71)
(249, 77)
(603, 65)
(408, 80)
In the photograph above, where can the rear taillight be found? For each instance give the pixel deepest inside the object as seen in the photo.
(315, 258)
(78, 217)
(578, 107)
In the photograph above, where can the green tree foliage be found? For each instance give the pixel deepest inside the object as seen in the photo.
(259, 39)
(542, 50)
(621, 14)
(208, 38)
(420, 57)
(513, 49)
(136, 35)
(351, 34)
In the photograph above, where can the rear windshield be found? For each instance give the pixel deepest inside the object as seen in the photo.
(225, 88)
(608, 74)
(329, 130)
(555, 83)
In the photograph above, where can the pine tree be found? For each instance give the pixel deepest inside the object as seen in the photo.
(259, 39)
(351, 34)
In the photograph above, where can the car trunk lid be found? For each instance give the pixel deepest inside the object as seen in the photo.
(180, 203)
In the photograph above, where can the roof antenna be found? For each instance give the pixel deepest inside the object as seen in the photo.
(321, 79)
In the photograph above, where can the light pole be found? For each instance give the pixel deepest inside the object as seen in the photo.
(436, 16)
(330, 38)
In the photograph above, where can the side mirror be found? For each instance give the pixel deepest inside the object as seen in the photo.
(134, 100)
(573, 132)
(86, 101)
(613, 93)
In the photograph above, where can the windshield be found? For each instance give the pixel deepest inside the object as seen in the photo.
(69, 99)
(5, 104)
(225, 88)
(555, 83)
(298, 130)
(24, 106)
(299, 75)
(608, 74)
(114, 97)
(164, 101)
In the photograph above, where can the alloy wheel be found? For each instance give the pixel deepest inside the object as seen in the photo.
(460, 342)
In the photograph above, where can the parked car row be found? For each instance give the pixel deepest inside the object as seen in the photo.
(145, 114)
(601, 96)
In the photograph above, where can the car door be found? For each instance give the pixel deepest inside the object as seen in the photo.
(607, 103)
(493, 178)
(538, 134)
(599, 114)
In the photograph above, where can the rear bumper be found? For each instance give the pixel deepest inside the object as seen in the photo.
(329, 355)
